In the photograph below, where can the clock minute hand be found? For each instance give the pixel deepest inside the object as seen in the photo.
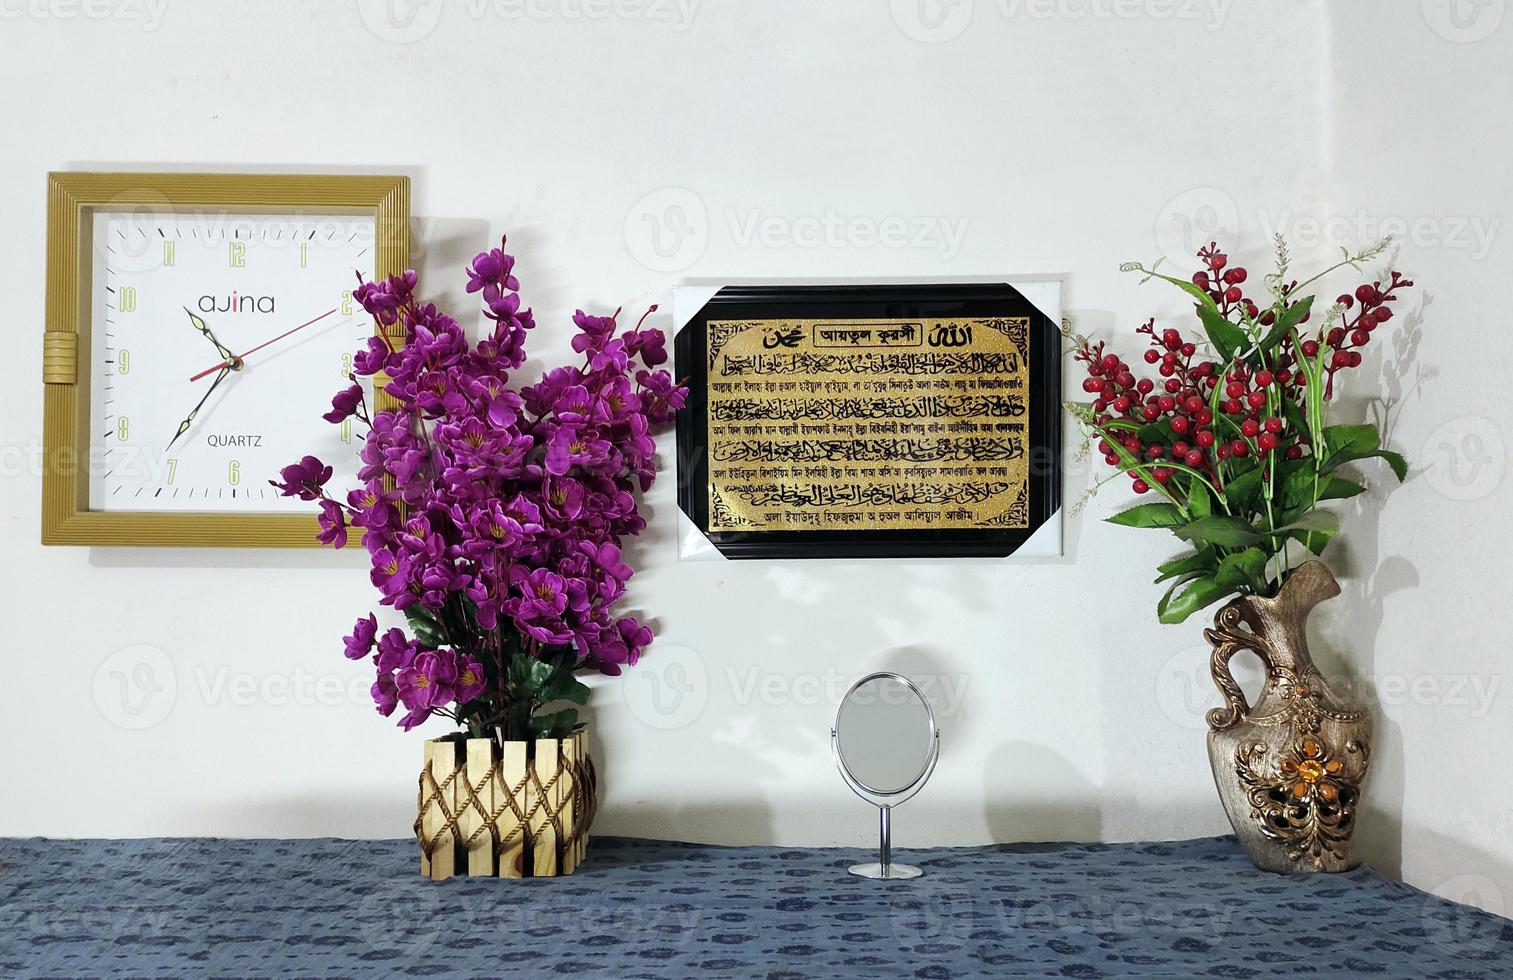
(234, 361)
(189, 419)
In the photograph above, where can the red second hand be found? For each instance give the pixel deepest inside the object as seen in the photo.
(225, 364)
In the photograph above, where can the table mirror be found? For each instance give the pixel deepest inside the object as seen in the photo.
(885, 744)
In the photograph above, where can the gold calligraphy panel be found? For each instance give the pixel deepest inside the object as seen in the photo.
(875, 424)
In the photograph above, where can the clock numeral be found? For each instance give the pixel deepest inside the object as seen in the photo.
(127, 301)
(346, 302)
(123, 361)
(346, 430)
(123, 428)
(234, 472)
(170, 253)
(238, 254)
(346, 365)
(173, 469)
(304, 255)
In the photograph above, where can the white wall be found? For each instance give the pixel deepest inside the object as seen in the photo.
(1058, 137)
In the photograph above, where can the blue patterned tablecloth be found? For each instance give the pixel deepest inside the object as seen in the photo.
(201, 907)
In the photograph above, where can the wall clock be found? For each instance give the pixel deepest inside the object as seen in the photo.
(197, 326)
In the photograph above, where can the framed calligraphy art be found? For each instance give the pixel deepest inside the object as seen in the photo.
(869, 421)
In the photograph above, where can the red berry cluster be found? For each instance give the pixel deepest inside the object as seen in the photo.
(1176, 416)
(1222, 283)
(1354, 332)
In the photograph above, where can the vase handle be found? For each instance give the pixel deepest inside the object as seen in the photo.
(1229, 639)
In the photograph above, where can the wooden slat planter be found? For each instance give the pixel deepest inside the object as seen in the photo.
(517, 813)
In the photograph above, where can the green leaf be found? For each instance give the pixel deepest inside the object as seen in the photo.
(1227, 338)
(1287, 323)
(564, 685)
(1199, 503)
(1195, 595)
(1313, 370)
(1314, 520)
(1312, 528)
(1191, 288)
(553, 724)
(1346, 443)
(576, 691)
(1333, 487)
(1198, 561)
(1244, 490)
(1394, 460)
(1225, 532)
(1351, 440)
(1148, 515)
(426, 629)
(1243, 568)
(1300, 484)
(1314, 541)
(1296, 485)
(1294, 415)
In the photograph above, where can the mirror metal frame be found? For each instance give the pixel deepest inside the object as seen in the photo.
(886, 801)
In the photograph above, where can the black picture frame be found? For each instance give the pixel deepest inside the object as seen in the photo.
(865, 302)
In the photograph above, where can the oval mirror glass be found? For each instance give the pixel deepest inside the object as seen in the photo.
(885, 733)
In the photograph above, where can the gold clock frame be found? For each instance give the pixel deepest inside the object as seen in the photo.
(72, 198)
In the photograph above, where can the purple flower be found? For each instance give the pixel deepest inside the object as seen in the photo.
(430, 682)
(373, 506)
(543, 594)
(606, 557)
(372, 358)
(414, 718)
(491, 268)
(525, 512)
(395, 651)
(660, 398)
(573, 446)
(360, 643)
(650, 345)
(574, 405)
(593, 331)
(385, 694)
(303, 479)
(469, 681)
(491, 529)
(539, 398)
(564, 499)
(333, 524)
(467, 507)
(612, 358)
(344, 404)
(391, 572)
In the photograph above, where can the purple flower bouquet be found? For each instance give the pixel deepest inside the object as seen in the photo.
(493, 516)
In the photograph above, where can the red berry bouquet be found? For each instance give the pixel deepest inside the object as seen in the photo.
(1234, 435)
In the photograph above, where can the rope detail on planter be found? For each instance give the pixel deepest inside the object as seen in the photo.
(582, 801)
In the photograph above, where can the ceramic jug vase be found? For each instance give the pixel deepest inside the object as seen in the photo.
(1288, 768)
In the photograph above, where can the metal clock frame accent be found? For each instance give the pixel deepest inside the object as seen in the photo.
(72, 199)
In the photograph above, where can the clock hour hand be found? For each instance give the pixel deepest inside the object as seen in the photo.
(204, 328)
(189, 419)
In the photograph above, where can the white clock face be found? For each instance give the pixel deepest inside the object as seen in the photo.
(216, 344)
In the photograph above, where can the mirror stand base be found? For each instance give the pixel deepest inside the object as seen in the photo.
(879, 870)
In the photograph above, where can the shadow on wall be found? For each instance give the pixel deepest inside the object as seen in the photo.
(1473, 877)
(1368, 578)
(1063, 806)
